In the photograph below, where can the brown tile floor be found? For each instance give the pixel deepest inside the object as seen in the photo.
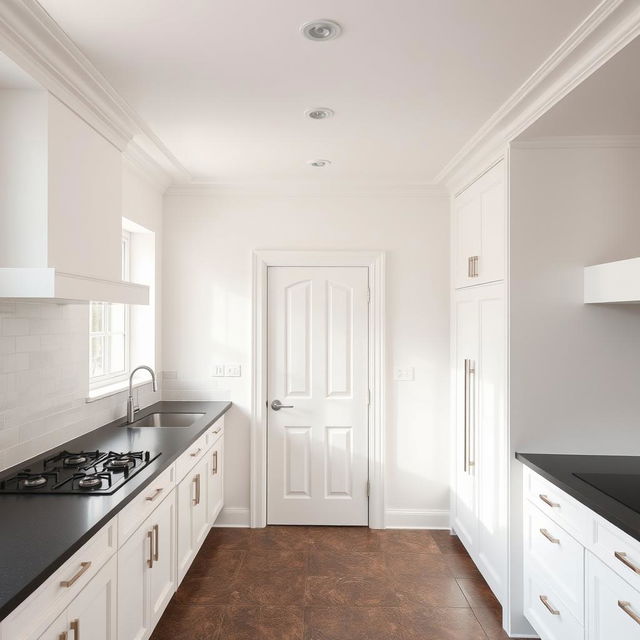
(331, 583)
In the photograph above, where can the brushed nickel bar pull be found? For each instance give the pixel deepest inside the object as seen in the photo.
(549, 537)
(196, 452)
(472, 441)
(624, 558)
(156, 541)
(84, 566)
(218, 430)
(476, 271)
(196, 482)
(545, 602)
(470, 267)
(626, 607)
(466, 415)
(155, 494)
(63, 636)
(74, 625)
(546, 500)
(214, 463)
(150, 538)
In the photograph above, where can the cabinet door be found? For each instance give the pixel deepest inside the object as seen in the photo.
(480, 230)
(491, 437)
(162, 576)
(613, 605)
(92, 615)
(192, 515)
(215, 498)
(465, 354)
(134, 558)
(58, 629)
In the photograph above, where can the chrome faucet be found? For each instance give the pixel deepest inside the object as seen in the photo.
(131, 409)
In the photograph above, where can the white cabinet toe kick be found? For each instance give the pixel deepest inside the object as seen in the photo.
(581, 573)
(118, 584)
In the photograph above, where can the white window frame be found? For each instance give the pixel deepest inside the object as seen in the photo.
(96, 382)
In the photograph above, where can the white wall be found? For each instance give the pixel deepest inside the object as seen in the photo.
(44, 360)
(574, 367)
(207, 319)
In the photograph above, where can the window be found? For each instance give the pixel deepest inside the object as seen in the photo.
(109, 334)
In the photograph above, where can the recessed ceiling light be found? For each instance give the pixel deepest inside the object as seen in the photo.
(319, 163)
(321, 113)
(321, 30)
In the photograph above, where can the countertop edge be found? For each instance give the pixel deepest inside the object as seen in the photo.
(10, 605)
(583, 499)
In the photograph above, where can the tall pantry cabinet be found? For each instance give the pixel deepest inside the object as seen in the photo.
(479, 369)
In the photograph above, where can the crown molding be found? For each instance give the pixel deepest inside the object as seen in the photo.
(307, 189)
(631, 141)
(603, 33)
(32, 39)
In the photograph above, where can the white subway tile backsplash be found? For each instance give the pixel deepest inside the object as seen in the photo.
(44, 372)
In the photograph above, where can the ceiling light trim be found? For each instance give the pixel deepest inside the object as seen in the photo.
(315, 30)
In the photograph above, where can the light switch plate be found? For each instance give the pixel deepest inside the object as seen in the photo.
(232, 370)
(217, 371)
(403, 374)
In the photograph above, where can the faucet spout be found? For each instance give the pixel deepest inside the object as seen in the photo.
(131, 409)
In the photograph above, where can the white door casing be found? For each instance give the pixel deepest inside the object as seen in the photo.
(318, 365)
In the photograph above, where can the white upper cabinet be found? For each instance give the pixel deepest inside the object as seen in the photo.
(60, 204)
(479, 230)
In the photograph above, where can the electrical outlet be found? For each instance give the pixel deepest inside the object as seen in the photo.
(403, 374)
(217, 371)
(232, 370)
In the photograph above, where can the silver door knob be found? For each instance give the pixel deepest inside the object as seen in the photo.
(276, 405)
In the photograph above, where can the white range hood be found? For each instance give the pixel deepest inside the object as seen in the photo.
(612, 282)
(48, 285)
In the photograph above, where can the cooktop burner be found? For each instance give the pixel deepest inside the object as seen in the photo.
(81, 472)
(623, 487)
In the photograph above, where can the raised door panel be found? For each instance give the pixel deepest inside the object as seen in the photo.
(468, 233)
(465, 520)
(162, 575)
(93, 614)
(134, 558)
(491, 437)
(215, 497)
(613, 605)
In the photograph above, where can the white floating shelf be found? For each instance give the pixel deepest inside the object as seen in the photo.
(48, 285)
(612, 282)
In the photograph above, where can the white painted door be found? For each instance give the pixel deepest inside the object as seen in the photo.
(215, 490)
(162, 576)
(318, 369)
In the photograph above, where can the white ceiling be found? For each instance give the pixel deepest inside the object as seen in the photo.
(606, 103)
(225, 83)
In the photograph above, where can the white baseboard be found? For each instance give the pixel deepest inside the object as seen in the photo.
(233, 517)
(416, 519)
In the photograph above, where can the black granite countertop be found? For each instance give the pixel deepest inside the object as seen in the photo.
(38, 533)
(561, 470)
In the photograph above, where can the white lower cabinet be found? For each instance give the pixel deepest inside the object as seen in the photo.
(193, 525)
(215, 490)
(146, 566)
(613, 604)
(582, 584)
(92, 615)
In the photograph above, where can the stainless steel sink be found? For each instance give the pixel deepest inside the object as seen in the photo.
(166, 420)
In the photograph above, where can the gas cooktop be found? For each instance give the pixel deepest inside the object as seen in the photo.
(81, 472)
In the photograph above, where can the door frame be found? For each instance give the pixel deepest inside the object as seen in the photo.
(374, 261)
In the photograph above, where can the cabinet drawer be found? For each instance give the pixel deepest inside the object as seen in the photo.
(560, 507)
(546, 611)
(191, 456)
(215, 431)
(130, 518)
(613, 606)
(551, 551)
(43, 606)
(617, 550)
